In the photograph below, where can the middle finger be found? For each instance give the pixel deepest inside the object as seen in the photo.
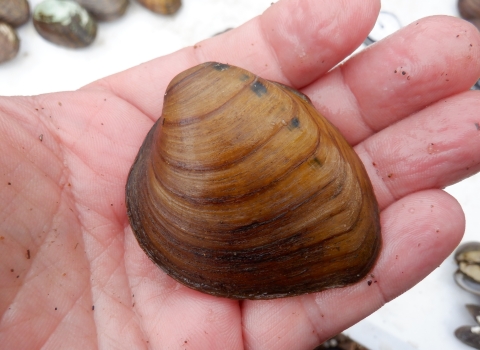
(428, 60)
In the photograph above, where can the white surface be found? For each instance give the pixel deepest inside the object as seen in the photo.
(137, 37)
(423, 318)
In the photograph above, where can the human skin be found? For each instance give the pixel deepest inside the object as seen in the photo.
(71, 272)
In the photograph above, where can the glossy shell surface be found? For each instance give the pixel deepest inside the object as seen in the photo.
(105, 10)
(470, 10)
(469, 335)
(14, 12)
(64, 23)
(164, 7)
(243, 190)
(467, 276)
(9, 43)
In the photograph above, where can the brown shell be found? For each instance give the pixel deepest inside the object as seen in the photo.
(469, 9)
(105, 10)
(74, 28)
(9, 43)
(14, 12)
(243, 190)
(165, 7)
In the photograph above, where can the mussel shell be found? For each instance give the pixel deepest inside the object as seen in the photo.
(9, 43)
(474, 310)
(243, 190)
(468, 260)
(14, 12)
(466, 283)
(165, 7)
(105, 10)
(475, 22)
(469, 9)
(477, 84)
(469, 335)
(64, 23)
(463, 249)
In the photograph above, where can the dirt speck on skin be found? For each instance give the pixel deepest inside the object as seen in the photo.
(40, 137)
(369, 282)
(390, 175)
(28, 254)
(431, 149)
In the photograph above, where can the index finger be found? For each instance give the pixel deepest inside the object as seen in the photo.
(292, 42)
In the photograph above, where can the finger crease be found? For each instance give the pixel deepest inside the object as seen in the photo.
(361, 115)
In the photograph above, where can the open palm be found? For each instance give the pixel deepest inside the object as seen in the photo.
(71, 272)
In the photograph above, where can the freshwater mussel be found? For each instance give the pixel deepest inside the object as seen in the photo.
(164, 7)
(65, 23)
(9, 43)
(470, 10)
(105, 10)
(470, 335)
(243, 190)
(467, 276)
(14, 12)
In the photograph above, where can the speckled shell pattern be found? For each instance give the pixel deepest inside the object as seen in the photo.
(243, 190)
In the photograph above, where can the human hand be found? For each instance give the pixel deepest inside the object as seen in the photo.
(65, 242)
